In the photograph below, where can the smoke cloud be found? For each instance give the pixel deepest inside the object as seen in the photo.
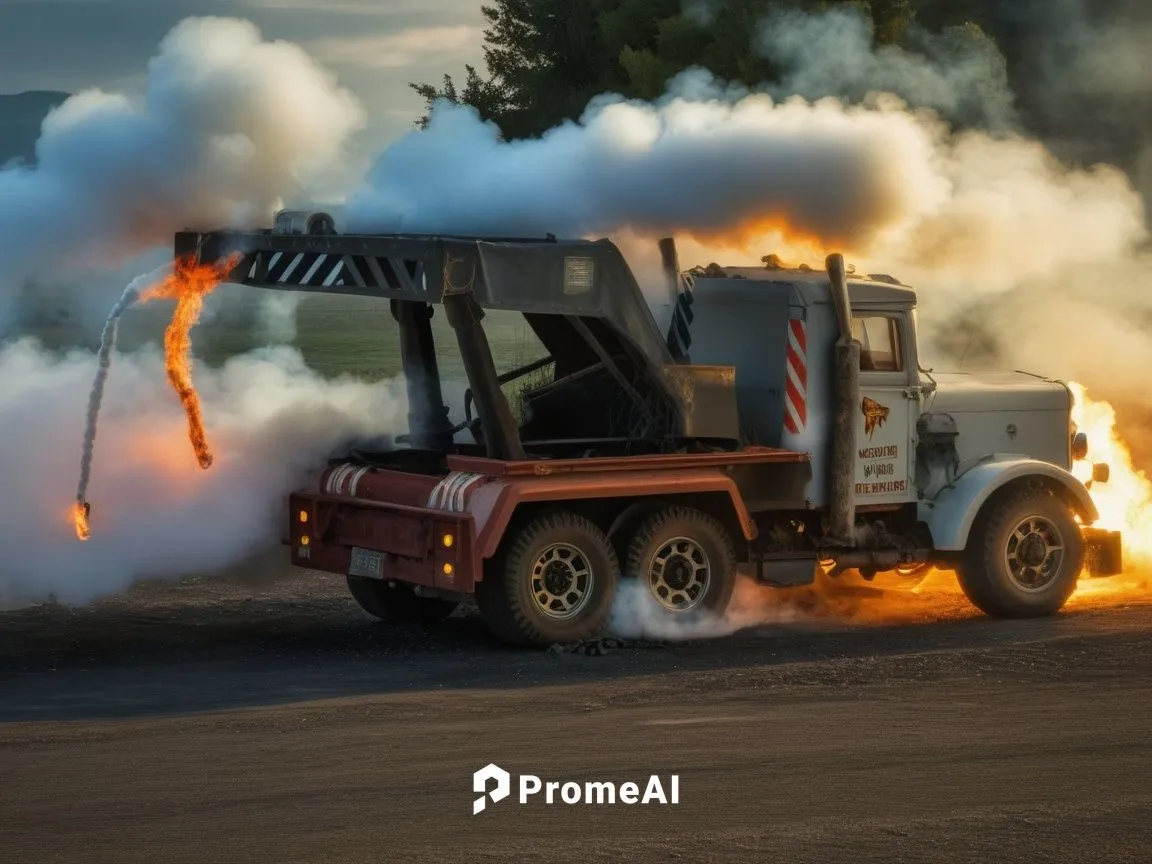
(1088, 82)
(705, 164)
(959, 73)
(228, 124)
(155, 513)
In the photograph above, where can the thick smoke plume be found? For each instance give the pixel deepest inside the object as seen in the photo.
(741, 169)
(228, 124)
(274, 422)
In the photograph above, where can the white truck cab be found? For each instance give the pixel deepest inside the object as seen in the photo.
(967, 470)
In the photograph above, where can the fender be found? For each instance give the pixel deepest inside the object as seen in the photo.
(952, 512)
(492, 505)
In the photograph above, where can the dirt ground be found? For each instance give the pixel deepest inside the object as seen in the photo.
(231, 721)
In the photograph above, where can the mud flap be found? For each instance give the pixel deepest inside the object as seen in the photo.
(1103, 552)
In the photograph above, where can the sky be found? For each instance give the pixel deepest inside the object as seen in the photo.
(374, 46)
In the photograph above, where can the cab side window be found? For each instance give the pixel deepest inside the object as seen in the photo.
(879, 339)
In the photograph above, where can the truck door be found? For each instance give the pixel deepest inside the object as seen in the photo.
(885, 455)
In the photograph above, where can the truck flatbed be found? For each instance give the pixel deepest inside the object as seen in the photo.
(601, 464)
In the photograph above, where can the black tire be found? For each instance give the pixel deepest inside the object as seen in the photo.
(704, 546)
(564, 547)
(398, 602)
(998, 572)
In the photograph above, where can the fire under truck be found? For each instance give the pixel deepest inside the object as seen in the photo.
(782, 424)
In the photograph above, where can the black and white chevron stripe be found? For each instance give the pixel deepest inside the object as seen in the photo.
(679, 330)
(324, 270)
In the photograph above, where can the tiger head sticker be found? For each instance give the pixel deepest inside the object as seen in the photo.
(874, 415)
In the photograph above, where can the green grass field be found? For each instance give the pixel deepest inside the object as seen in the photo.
(337, 335)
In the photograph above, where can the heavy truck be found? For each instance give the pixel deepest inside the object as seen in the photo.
(782, 426)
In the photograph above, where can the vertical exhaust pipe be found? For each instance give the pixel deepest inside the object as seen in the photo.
(671, 262)
(841, 523)
(678, 336)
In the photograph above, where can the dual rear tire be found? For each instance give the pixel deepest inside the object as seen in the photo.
(558, 574)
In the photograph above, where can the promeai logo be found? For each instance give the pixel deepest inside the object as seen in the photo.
(480, 780)
(654, 790)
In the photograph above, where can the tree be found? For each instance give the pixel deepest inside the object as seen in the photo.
(546, 59)
(485, 96)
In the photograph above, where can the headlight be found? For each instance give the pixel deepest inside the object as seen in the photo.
(1079, 446)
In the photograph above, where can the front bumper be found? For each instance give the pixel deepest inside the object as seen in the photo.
(1103, 552)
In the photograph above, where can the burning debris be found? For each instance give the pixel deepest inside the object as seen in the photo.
(188, 285)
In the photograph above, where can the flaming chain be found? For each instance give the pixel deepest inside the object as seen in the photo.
(188, 285)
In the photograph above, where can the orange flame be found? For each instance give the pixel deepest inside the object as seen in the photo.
(80, 520)
(773, 233)
(189, 284)
(1125, 501)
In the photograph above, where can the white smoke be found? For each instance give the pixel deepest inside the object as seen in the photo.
(637, 615)
(699, 163)
(229, 123)
(272, 423)
(885, 183)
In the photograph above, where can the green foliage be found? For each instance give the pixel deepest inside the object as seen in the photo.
(546, 59)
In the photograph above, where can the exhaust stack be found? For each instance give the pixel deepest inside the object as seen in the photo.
(678, 336)
(840, 525)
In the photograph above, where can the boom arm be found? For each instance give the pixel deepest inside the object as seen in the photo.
(393, 267)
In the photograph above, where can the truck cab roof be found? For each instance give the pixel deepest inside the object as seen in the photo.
(810, 287)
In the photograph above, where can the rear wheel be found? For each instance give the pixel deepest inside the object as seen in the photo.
(685, 559)
(553, 581)
(1024, 556)
(398, 602)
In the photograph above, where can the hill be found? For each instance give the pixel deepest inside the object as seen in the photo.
(20, 117)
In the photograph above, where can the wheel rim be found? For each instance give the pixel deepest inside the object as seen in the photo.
(1034, 555)
(679, 574)
(562, 581)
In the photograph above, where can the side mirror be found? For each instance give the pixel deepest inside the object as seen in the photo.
(1101, 472)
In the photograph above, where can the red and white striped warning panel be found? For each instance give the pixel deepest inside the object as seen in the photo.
(796, 380)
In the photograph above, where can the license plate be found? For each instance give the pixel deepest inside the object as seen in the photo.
(367, 563)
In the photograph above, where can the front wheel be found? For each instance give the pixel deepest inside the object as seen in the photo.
(1024, 556)
(553, 581)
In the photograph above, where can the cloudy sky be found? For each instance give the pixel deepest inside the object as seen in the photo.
(375, 46)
